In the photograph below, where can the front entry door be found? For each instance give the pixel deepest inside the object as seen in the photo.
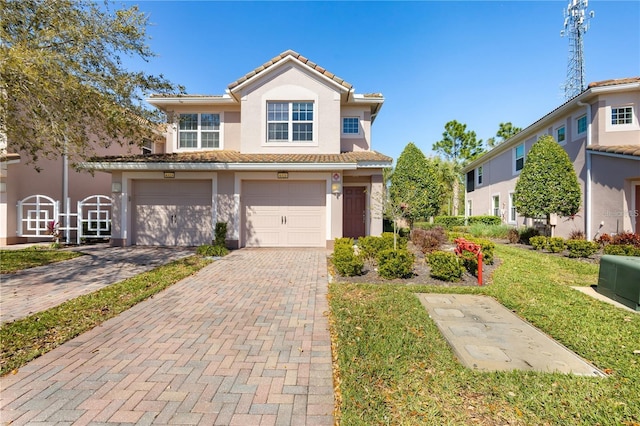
(354, 212)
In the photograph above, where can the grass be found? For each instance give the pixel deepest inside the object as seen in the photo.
(25, 339)
(393, 366)
(15, 260)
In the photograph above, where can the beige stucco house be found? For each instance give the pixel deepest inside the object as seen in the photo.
(600, 130)
(284, 157)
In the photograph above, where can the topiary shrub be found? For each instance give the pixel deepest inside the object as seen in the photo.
(622, 250)
(513, 236)
(485, 220)
(387, 241)
(449, 222)
(344, 259)
(527, 233)
(220, 234)
(539, 242)
(555, 244)
(395, 263)
(445, 266)
(370, 247)
(581, 248)
(212, 250)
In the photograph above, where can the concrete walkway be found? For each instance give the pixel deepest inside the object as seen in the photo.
(243, 342)
(37, 289)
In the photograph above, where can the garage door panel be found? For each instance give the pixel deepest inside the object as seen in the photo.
(284, 213)
(172, 212)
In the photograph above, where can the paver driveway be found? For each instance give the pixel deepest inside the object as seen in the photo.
(245, 341)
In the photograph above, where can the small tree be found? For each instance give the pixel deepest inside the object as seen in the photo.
(458, 146)
(415, 191)
(548, 183)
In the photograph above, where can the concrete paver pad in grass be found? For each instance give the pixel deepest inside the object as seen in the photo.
(487, 336)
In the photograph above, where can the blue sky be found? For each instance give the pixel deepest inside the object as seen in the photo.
(477, 62)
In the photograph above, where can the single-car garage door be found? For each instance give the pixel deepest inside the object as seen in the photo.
(284, 214)
(172, 213)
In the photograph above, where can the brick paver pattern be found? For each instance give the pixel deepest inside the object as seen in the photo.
(37, 289)
(243, 342)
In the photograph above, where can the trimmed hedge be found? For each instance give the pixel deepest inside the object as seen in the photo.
(395, 263)
(581, 248)
(445, 266)
(450, 221)
(622, 250)
(344, 258)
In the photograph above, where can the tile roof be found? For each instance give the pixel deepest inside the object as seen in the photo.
(299, 57)
(615, 81)
(633, 150)
(227, 156)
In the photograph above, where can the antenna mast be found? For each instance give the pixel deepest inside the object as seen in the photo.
(576, 24)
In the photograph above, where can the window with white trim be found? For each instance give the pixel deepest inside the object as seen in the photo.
(479, 175)
(495, 205)
(518, 158)
(560, 134)
(289, 121)
(581, 124)
(350, 125)
(622, 115)
(199, 130)
(513, 214)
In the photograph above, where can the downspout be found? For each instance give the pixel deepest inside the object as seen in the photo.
(588, 163)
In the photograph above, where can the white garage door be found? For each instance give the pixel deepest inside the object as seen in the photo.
(284, 214)
(172, 212)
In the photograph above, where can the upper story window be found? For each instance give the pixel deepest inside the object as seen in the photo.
(289, 121)
(147, 146)
(199, 131)
(479, 174)
(582, 124)
(622, 115)
(518, 158)
(560, 134)
(350, 125)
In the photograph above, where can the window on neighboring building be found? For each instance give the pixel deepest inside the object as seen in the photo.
(518, 157)
(512, 209)
(350, 125)
(479, 175)
(147, 147)
(622, 115)
(199, 131)
(289, 121)
(560, 134)
(471, 180)
(495, 205)
(582, 124)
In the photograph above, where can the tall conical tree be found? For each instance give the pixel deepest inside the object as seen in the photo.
(414, 185)
(548, 183)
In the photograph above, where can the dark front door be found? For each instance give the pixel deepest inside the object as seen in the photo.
(354, 213)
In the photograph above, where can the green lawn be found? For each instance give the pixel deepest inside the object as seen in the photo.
(15, 260)
(27, 338)
(394, 367)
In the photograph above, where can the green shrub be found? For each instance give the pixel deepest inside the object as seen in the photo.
(455, 235)
(469, 262)
(622, 250)
(449, 222)
(370, 247)
(387, 241)
(539, 242)
(513, 236)
(527, 233)
(485, 220)
(489, 231)
(445, 266)
(555, 244)
(220, 234)
(487, 248)
(395, 264)
(344, 258)
(212, 250)
(581, 248)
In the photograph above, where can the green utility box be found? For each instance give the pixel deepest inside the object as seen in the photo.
(619, 279)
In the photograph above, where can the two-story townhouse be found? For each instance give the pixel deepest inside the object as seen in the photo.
(283, 157)
(600, 131)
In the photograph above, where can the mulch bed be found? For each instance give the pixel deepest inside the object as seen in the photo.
(421, 273)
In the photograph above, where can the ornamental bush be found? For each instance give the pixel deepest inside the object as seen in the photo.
(212, 250)
(622, 250)
(513, 236)
(344, 258)
(555, 244)
(487, 247)
(581, 248)
(370, 247)
(539, 242)
(395, 264)
(445, 266)
(527, 233)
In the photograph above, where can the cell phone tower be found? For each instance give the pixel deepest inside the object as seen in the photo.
(576, 24)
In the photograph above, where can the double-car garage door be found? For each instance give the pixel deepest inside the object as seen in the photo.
(273, 213)
(284, 213)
